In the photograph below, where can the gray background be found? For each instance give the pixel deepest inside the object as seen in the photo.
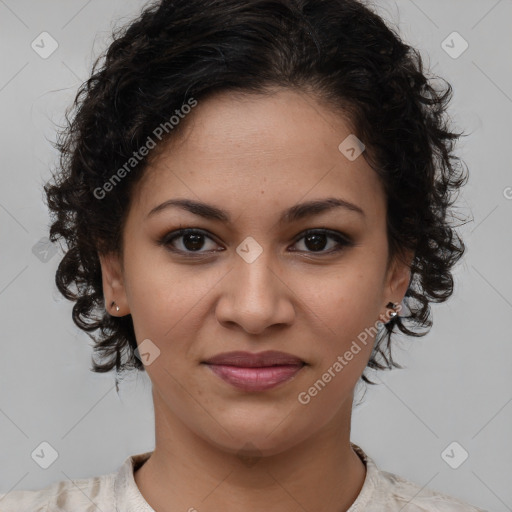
(458, 381)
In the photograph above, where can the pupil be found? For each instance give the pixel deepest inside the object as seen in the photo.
(195, 240)
(319, 244)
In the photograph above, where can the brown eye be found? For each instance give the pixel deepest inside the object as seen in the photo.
(317, 240)
(192, 241)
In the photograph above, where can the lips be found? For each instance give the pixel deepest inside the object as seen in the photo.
(257, 360)
(255, 372)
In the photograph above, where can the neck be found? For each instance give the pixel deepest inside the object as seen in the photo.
(187, 472)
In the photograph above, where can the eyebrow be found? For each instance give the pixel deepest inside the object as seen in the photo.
(293, 214)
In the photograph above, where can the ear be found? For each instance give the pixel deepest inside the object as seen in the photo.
(113, 284)
(398, 277)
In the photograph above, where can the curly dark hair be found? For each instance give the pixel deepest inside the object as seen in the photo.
(340, 51)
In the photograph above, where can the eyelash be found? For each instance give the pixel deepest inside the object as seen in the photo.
(342, 240)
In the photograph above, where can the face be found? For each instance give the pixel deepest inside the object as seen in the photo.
(251, 277)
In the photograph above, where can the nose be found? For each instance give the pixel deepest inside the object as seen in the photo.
(255, 297)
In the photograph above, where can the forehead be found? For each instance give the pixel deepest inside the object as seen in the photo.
(261, 151)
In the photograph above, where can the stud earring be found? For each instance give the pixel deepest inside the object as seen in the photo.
(392, 305)
(114, 304)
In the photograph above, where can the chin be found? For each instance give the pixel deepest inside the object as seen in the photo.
(247, 437)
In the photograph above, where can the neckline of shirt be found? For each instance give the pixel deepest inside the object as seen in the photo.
(128, 498)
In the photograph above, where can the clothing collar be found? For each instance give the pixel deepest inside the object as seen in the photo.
(128, 498)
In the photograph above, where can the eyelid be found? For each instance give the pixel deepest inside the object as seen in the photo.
(178, 233)
(325, 231)
(343, 241)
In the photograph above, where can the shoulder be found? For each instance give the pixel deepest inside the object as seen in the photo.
(77, 495)
(397, 492)
(383, 491)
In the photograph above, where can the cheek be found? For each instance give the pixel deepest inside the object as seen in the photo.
(167, 300)
(346, 308)
(159, 294)
(348, 300)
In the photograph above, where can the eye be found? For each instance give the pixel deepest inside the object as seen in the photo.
(316, 239)
(193, 240)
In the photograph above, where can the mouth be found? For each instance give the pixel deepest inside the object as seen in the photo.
(255, 372)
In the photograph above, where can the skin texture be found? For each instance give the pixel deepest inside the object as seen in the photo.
(254, 156)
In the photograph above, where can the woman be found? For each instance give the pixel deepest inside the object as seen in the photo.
(250, 192)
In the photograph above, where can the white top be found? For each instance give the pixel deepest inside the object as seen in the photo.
(118, 492)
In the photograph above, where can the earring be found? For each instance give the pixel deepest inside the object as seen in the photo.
(392, 305)
(114, 304)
